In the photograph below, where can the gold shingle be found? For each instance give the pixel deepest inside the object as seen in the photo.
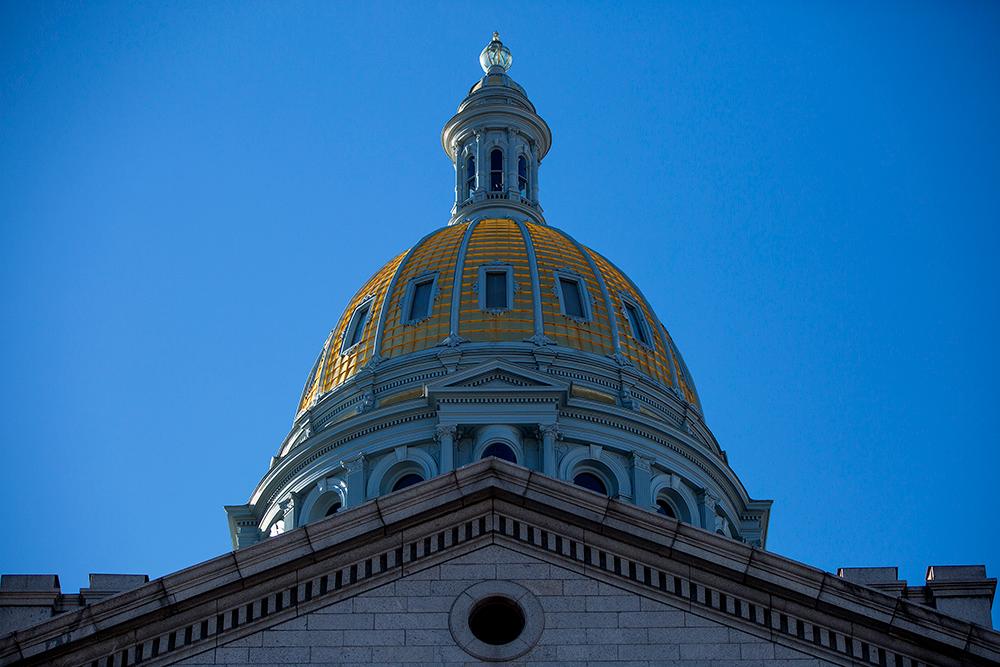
(497, 242)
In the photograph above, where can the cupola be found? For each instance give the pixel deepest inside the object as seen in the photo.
(496, 142)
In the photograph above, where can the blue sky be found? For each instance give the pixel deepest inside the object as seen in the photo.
(806, 192)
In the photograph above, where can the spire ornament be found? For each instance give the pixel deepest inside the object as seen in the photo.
(495, 55)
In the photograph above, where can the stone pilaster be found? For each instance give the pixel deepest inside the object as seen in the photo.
(641, 479)
(355, 468)
(445, 434)
(549, 433)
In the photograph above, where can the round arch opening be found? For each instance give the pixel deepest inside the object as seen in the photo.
(499, 450)
(406, 480)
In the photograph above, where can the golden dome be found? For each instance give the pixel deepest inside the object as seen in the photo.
(535, 314)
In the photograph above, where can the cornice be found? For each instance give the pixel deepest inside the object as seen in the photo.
(494, 502)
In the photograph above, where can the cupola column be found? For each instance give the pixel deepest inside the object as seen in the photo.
(511, 156)
(533, 173)
(477, 150)
(459, 165)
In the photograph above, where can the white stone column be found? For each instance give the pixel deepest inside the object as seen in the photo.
(355, 480)
(445, 434)
(641, 491)
(290, 507)
(549, 433)
(706, 510)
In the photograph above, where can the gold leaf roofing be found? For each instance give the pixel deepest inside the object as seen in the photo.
(459, 252)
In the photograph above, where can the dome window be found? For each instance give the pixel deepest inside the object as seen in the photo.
(406, 480)
(470, 176)
(636, 321)
(572, 303)
(495, 287)
(671, 502)
(418, 298)
(500, 451)
(522, 176)
(334, 508)
(572, 293)
(356, 326)
(496, 290)
(496, 170)
(665, 508)
(592, 482)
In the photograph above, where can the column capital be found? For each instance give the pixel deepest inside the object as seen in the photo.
(641, 462)
(354, 464)
(549, 431)
(442, 431)
(708, 498)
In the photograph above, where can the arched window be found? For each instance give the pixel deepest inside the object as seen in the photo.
(501, 451)
(334, 508)
(470, 176)
(589, 480)
(665, 508)
(522, 176)
(496, 170)
(406, 480)
(672, 502)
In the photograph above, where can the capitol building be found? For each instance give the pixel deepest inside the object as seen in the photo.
(499, 455)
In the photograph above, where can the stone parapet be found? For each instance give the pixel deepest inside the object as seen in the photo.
(962, 591)
(28, 599)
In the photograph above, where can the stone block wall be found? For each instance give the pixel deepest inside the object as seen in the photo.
(586, 622)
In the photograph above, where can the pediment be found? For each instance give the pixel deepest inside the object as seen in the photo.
(497, 375)
(553, 531)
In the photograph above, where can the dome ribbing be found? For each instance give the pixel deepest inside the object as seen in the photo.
(617, 320)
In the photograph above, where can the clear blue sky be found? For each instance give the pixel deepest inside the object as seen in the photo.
(808, 194)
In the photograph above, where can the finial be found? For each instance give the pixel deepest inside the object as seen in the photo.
(495, 55)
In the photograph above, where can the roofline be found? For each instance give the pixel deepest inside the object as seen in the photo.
(593, 521)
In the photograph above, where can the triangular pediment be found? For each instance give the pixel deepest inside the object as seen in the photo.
(497, 375)
(643, 569)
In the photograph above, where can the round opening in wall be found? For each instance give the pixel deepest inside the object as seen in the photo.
(496, 621)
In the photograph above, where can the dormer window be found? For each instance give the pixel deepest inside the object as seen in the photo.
(418, 298)
(470, 176)
(496, 170)
(496, 290)
(522, 176)
(356, 327)
(573, 301)
(496, 287)
(637, 322)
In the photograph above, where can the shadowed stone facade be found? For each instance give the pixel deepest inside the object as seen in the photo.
(586, 622)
